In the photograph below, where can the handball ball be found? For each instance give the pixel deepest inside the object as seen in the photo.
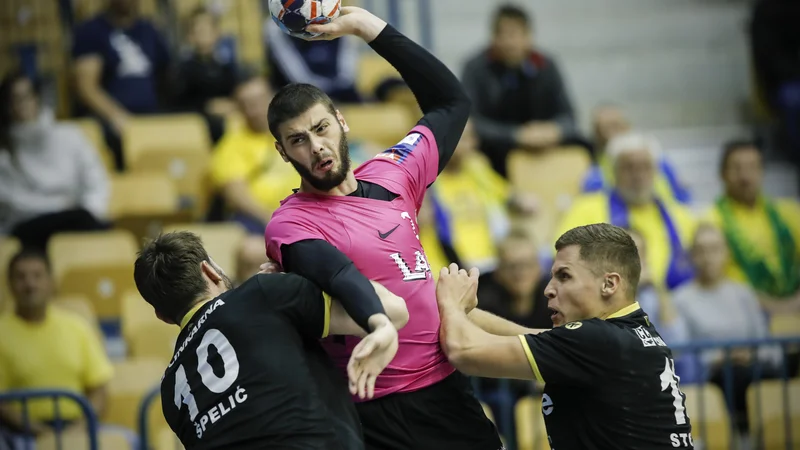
(292, 16)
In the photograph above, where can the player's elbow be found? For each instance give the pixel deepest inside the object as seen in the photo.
(397, 311)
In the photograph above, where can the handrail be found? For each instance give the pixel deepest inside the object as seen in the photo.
(144, 427)
(26, 395)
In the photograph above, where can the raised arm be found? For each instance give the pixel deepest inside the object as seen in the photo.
(440, 95)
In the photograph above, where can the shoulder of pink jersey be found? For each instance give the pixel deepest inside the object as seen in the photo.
(399, 153)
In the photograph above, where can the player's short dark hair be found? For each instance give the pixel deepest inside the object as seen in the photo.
(291, 101)
(510, 11)
(731, 147)
(607, 248)
(167, 273)
(26, 254)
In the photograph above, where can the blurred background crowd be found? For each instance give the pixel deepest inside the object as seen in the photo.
(123, 118)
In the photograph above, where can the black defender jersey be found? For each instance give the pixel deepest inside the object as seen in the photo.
(609, 385)
(249, 373)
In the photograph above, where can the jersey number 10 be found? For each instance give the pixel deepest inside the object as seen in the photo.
(183, 394)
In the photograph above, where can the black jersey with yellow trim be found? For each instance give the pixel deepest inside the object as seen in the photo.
(609, 384)
(248, 372)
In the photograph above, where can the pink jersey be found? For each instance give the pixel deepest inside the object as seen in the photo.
(382, 239)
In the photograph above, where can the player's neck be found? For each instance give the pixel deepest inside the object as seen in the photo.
(346, 187)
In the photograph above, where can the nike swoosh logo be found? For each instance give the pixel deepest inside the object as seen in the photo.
(385, 235)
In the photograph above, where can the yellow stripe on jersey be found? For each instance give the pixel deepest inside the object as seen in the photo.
(531, 360)
(625, 311)
(326, 327)
(188, 316)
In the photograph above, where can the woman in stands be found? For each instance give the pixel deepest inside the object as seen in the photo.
(51, 179)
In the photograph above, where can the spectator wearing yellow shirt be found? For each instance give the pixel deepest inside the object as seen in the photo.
(43, 347)
(609, 121)
(665, 225)
(249, 173)
(470, 203)
(763, 233)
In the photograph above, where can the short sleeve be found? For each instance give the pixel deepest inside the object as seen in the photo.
(97, 369)
(417, 155)
(283, 230)
(89, 39)
(228, 162)
(575, 354)
(300, 300)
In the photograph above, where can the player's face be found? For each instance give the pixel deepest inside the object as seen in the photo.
(574, 292)
(635, 174)
(315, 143)
(512, 40)
(709, 254)
(31, 283)
(743, 175)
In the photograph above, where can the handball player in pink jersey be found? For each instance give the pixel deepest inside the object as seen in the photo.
(344, 227)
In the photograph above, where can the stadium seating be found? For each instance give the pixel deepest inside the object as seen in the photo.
(372, 70)
(145, 335)
(133, 379)
(177, 145)
(221, 241)
(166, 440)
(382, 125)
(529, 421)
(555, 176)
(94, 134)
(143, 202)
(705, 406)
(8, 247)
(96, 265)
(86, 9)
(78, 440)
(768, 405)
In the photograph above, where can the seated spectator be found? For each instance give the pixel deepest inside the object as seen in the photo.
(395, 91)
(329, 65)
(206, 73)
(119, 59)
(470, 205)
(43, 347)
(248, 172)
(519, 98)
(717, 308)
(51, 179)
(666, 226)
(609, 121)
(763, 233)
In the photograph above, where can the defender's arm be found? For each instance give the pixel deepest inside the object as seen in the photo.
(343, 324)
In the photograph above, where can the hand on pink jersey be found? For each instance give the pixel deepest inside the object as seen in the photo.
(371, 356)
(458, 288)
(270, 267)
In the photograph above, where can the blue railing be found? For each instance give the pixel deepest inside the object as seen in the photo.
(144, 426)
(25, 396)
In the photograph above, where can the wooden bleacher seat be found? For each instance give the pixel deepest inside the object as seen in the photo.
(9, 246)
(98, 265)
(177, 145)
(382, 125)
(768, 406)
(372, 70)
(711, 424)
(145, 335)
(94, 133)
(133, 380)
(221, 241)
(78, 440)
(143, 202)
(529, 421)
(166, 440)
(86, 9)
(785, 325)
(555, 177)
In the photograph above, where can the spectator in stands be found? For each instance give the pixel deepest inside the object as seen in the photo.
(51, 179)
(119, 60)
(763, 233)
(44, 347)
(665, 225)
(470, 205)
(717, 308)
(609, 121)
(248, 172)
(395, 91)
(518, 95)
(329, 65)
(206, 73)
(775, 47)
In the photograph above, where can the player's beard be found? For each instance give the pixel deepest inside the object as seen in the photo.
(331, 179)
